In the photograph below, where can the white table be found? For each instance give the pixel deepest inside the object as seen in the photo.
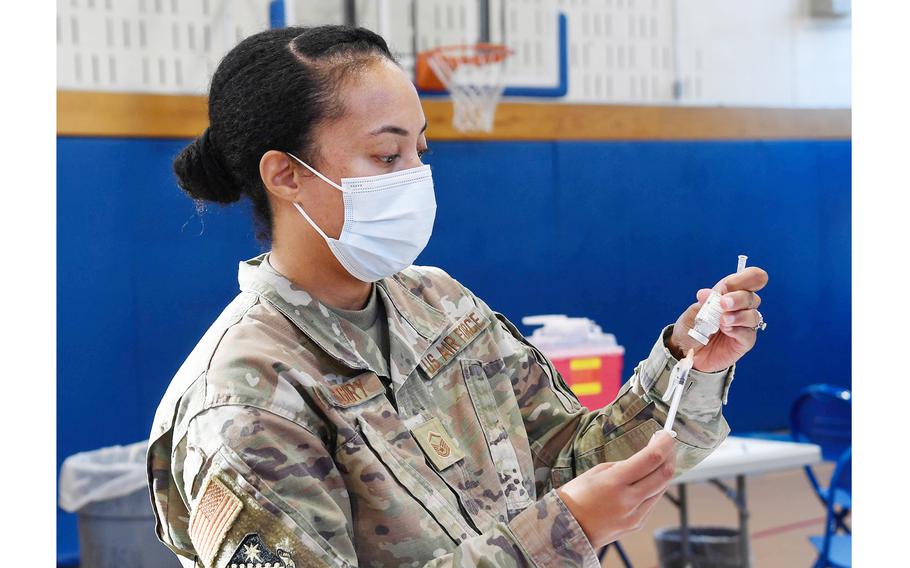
(750, 456)
(739, 457)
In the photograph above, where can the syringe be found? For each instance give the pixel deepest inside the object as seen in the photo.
(707, 322)
(675, 387)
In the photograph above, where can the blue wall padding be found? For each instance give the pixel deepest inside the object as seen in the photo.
(625, 233)
(622, 232)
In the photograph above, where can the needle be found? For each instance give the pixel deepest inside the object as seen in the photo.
(677, 383)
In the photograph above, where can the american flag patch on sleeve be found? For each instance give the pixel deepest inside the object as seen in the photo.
(212, 517)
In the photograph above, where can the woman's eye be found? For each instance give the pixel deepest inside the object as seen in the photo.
(424, 152)
(389, 159)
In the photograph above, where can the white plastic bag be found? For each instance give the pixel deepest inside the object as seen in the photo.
(105, 473)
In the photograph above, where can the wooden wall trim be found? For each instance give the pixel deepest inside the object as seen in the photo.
(184, 116)
(81, 113)
(521, 121)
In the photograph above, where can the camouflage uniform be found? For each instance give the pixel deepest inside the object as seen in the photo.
(278, 442)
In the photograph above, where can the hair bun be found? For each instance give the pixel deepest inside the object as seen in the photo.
(201, 172)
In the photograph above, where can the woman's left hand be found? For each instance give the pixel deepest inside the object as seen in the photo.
(737, 324)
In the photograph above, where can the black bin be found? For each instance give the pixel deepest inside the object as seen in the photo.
(709, 547)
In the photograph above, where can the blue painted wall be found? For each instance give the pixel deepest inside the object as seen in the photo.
(624, 233)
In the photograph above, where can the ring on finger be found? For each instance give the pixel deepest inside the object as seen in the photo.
(761, 323)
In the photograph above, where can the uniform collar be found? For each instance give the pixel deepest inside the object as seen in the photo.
(414, 325)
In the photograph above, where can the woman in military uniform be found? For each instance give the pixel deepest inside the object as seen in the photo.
(349, 408)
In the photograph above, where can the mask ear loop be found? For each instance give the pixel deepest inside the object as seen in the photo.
(310, 221)
(322, 177)
(298, 206)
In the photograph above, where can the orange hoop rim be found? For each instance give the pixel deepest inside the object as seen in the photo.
(453, 56)
(483, 53)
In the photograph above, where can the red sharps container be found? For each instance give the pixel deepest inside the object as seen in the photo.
(588, 359)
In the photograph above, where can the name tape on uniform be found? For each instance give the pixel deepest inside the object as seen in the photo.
(359, 389)
(453, 342)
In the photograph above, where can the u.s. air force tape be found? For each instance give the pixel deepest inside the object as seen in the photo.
(459, 336)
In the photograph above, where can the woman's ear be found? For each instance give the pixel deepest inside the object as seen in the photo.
(281, 176)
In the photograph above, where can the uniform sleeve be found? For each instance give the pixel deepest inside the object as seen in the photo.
(261, 488)
(567, 439)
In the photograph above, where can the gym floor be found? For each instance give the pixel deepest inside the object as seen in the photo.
(783, 510)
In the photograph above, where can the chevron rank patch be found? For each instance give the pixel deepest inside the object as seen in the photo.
(253, 553)
(436, 443)
(212, 517)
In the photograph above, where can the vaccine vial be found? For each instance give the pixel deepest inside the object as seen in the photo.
(707, 320)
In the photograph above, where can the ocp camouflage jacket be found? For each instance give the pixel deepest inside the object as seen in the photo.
(278, 442)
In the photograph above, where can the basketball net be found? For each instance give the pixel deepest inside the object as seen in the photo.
(473, 75)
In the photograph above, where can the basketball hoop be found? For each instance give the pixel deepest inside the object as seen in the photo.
(473, 76)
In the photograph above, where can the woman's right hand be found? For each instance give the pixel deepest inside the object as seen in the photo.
(612, 499)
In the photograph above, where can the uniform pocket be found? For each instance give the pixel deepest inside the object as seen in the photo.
(419, 487)
(515, 487)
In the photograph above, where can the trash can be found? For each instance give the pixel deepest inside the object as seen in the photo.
(108, 490)
(709, 547)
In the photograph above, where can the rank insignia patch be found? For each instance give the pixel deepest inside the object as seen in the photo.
(437, 444)
(253, 553)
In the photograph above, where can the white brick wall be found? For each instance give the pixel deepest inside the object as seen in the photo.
(719, 52)
(152, 46)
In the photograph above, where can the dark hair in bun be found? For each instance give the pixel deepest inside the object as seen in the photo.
(270, 92)
(201, 173)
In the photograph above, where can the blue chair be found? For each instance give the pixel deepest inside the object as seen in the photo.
(822, 414)
(835, 549)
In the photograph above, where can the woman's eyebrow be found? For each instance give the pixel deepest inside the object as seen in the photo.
(396, 130)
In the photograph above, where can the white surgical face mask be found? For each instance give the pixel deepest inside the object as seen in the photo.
(388, 220)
